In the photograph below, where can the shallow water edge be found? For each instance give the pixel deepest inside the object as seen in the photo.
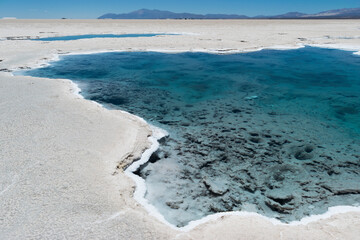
(140, 191)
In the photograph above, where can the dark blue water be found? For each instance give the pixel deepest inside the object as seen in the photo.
(87, 36)
(275, 132)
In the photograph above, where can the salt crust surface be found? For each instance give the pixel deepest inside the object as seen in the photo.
(16, 55)
(158, 133)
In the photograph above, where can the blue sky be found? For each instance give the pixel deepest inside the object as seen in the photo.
(95, 8)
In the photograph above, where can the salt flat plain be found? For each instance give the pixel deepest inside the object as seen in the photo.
(62, 156)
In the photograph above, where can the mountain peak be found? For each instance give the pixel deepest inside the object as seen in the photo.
(345, 13)
(159, 14)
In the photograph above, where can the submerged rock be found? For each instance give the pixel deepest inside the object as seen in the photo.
(251, 97)
(280, 196)
(350, 187)
(304, 152)
(174, 205)
(279, 207)
(217, 186)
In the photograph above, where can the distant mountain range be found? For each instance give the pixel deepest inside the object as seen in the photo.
(346, 13)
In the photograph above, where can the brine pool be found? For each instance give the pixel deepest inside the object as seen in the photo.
(272, 132)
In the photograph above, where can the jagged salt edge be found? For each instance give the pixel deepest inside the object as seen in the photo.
(139, 194)
(353, 48)
(77, 90)
(39, 63)
(195, 50)
(304, 221)
(158, 133)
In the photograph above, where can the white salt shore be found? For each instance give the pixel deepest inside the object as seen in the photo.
(62, 156)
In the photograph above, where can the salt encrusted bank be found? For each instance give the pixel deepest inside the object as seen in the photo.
(67, 180)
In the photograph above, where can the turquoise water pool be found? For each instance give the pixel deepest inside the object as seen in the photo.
(273, 132)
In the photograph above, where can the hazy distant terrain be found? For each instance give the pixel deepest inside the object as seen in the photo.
(346, 13)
